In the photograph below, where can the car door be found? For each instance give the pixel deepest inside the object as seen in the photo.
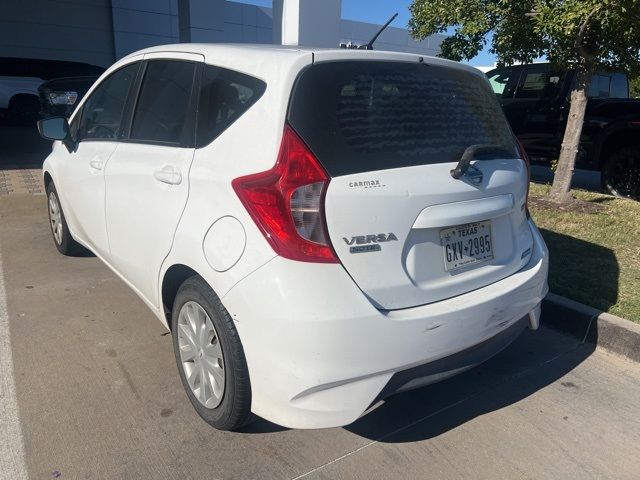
(96, 129)
(539, 100)
(503, 82)
(600, 91)
(147, 176)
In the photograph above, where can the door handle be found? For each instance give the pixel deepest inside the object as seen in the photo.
(96, 164)
(168, 175)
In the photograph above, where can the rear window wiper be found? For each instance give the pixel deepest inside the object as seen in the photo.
(470, 153)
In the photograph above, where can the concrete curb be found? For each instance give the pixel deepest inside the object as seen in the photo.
(591, 325)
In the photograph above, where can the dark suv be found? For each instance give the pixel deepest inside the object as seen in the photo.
(535, 99)
(21, 77)
(59, 97)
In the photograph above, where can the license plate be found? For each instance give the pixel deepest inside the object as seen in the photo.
(465, 245)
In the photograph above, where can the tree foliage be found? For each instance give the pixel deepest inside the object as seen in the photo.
(634, 87)
(583, 35)
(601, 33)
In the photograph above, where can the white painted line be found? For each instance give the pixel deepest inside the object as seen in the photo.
(12, 465)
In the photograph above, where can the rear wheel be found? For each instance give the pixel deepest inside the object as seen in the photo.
(210, 357)
(63, 240)
(621, 173)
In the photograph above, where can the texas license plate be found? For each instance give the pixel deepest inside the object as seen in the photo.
(466, 245)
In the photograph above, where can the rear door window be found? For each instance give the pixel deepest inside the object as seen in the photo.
(539, 83)
(161, 111)
(225, 95)
(503, 81)
(360, 116)
(600, 86)
(619, 86)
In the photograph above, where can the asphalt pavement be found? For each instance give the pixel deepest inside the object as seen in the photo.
(90, 391)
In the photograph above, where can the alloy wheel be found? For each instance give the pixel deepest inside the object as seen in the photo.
(55, 217)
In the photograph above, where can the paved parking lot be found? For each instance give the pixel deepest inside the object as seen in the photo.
(98, 396)
(21, 181)
(22, 152)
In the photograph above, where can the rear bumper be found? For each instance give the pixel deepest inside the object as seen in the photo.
(319, 353)
(459, 362)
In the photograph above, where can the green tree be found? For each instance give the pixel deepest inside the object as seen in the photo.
(634, 87)
(583, 35)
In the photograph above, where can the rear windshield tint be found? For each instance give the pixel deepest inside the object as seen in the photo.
(364, 116)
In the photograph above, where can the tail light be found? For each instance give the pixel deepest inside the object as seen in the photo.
(287, 202)
(525, 158)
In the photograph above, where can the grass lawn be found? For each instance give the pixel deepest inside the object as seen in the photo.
(594, 254)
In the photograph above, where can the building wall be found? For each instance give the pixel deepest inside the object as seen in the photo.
(144, 23)
(307, 22)
(101, 31)
(244, 23)
(139, 24)
(57, 29)
(393, 38)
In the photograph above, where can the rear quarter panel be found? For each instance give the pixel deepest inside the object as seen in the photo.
(249, 145)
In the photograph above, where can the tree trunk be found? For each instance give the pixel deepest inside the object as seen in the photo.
(571, 142)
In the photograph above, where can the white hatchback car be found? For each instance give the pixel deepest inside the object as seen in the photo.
(318, 228)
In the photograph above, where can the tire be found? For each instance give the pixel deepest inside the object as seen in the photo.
(621, 173)
(225, 400)
(62, 239)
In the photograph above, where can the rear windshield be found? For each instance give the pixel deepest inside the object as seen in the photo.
(360, 116)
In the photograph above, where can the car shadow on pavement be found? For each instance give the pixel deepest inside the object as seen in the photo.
(83, 253)
(533, 362)
(21, 146)
(260, 425)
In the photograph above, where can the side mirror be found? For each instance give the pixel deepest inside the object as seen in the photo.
(55, 128)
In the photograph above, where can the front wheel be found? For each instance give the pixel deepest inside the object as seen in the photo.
(621, 173)
(210, 358)
(62, 238)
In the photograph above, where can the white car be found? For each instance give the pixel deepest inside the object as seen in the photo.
(318, 228)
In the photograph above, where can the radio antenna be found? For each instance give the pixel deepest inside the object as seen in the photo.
(369, 45)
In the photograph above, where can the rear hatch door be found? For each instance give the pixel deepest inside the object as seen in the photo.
(389, 133)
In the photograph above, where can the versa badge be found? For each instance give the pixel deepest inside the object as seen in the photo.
(369, 243)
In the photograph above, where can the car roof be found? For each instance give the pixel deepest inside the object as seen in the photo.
(521, 66)
(259, 53)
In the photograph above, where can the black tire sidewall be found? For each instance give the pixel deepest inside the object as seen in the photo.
(235, 407)
(610, 162)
